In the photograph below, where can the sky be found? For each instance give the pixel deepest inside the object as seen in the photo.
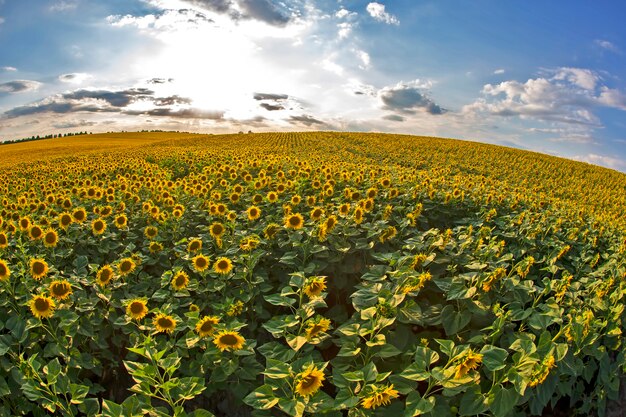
(543, 76)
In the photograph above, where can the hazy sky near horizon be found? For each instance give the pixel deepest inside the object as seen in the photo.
(543, 76)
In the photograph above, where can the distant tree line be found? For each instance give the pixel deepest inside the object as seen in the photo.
(38, 137)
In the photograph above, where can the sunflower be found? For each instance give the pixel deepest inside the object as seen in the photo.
(79, 215)
(294, 221)
(295, 200)
(271, 230)
(317, 326)
(253, 213)
(24, 224)
(164, 323)
(272, 196)
(317, 213)
(344, 209)
(150, 232)
(121, 221)
(330, 223)
(4, 240)
(314, 286)
(5, 272)
(206, 325)
(469, 361)
(60, 289)
(200, 263)
(194, 307)
(309, 381)
(223, 266)
(155, 247)
(229, 340)
(126, 266)
(98, 226)
(104, 275)
(217, 230)
(194, 245)
(380, 396)
(65, 219)
(248, 243)
(137, 308)
(35, 232)
(38, 268)
(180, 280)
(388, 234)
(42, 306)
(358, 215)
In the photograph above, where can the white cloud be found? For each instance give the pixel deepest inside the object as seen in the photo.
(61, 6)
(364, 57)
(8, 69)
(345, 28)
(612, 98)
(499, 71)
(377, 11)
(609, 46)
(584, 78)
(343, 13)
(603, 160)
(2, 20)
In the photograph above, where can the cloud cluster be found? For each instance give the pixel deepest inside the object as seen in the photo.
(377, 11)
(408, 99)
(19, 86)
(262, 10)
(270, 101)
(115, 101)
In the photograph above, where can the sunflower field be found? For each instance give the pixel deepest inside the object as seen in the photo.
(307, 274)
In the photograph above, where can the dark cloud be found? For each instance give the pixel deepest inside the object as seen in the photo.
(120, 98)
(19, 86)
(407, 99)
(265, 11)
(190, 113)
(160, 80)
(171, 100)
(394, 118)
(56, 107)
(269, 96)
(305, 120)
(272, 107)
(67, 77)
(72, 124)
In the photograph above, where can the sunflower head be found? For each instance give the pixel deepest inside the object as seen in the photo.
(155, 247)
(42, 306)
(229, 340)
(200, 263)
(206, 325)
(104, 275)
(317, 326)
(50, 238)
(294, 221)
(380, 396)
(98, 226)
(4, 240)
(317, 213)
(223, 266)
(309, 381)
(271, 230)
(24, 223)
(137, 309)
(126, 266)
(5, 272)
(60, 289)
(38, 268)
(121, 221)
(164, 323)
(150, 232)
(194, 245)
(253, 213)
(314, 286)
(180, 280)
(65, 219)
(217, 229)
(79, 215)
(35, 232)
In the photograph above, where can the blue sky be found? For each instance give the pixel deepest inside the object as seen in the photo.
(543, 76)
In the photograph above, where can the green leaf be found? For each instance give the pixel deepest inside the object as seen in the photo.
(261, 398)
(78, 393)
(415, 372)
(52, 370)
(458, 290)
(473, 402)
(279, 300)
(276, 369)
(111, 409)
(416, 405)
(504, 401)
(387, 351)
(89, 407)
(454, 321)
(494, 357)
